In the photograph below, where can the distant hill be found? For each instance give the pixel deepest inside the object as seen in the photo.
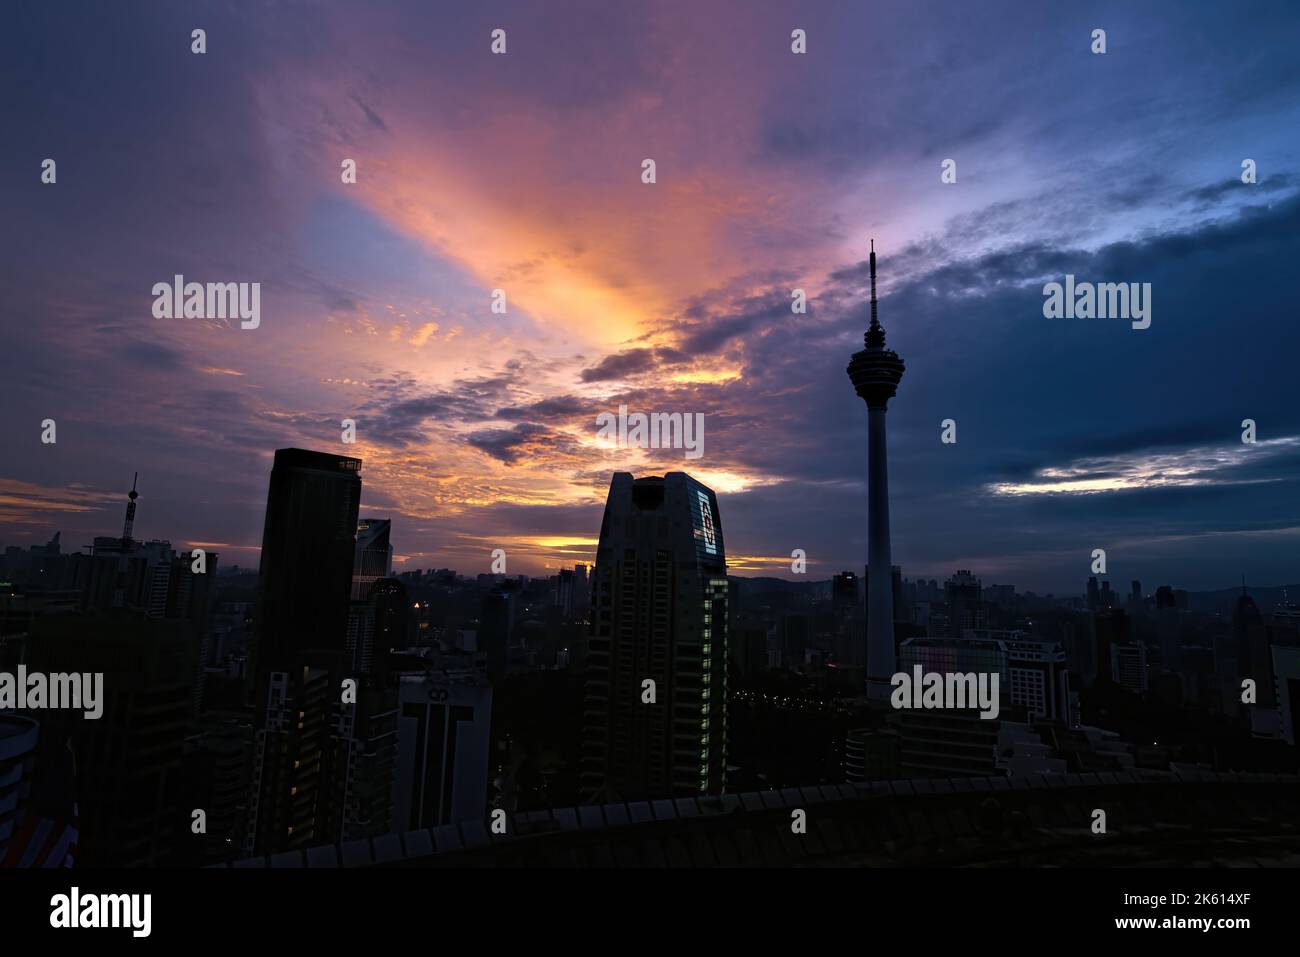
(1225, 599)
(1222, 600)
(755, 588)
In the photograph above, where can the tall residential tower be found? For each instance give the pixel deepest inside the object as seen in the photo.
(659, 614)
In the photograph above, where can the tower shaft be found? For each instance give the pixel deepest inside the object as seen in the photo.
(880, 582)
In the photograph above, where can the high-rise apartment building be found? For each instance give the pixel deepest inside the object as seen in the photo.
(656, 691)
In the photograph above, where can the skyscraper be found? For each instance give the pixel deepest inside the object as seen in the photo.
(444, 749)
(1129, 666)
(875, 373)
(1251, 637)
(127, 761)
(581, 590)
(374, 555)
(659, 614)
(1110, 629)
(308, 545)
(496, 622)
(299, 762)
(961, 592)
(565, 592)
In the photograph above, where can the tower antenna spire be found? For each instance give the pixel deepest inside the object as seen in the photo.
(875, 337)
(875, 322)
(128, 527)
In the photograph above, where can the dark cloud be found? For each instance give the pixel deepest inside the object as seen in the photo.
(619, 365)
(1213, 193)
(523, 440)
(153, 354)
(1028, 394)
(560, 407)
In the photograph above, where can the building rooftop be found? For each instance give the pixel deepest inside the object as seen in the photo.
(1183, 817)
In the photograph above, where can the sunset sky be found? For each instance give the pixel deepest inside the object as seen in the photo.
(523, 172)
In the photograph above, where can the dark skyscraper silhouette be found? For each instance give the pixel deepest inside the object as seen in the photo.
(308, 548)
(496, 620)
(961, 593)
(844, 592)
(875, 373)
(300, 761)
(127, 761)
(659, 613)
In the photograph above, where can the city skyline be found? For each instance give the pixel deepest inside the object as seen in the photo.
(659, 608)
(479, 430)
(1074, 590)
